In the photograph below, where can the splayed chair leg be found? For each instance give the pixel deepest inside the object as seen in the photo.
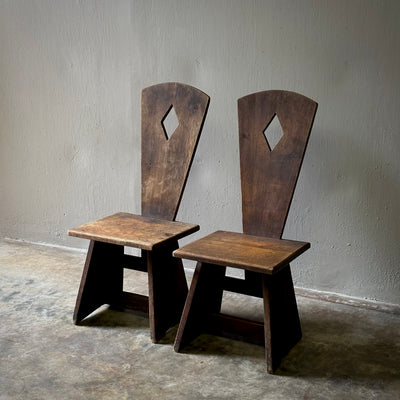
(281, 318)
(102, 279)
(204, 298)
(167, 290)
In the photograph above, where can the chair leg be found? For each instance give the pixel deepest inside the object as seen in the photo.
(204, 298)
(281, 318)
(102, 279)
(167, 290)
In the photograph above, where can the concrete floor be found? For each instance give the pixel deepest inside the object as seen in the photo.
(345, 353)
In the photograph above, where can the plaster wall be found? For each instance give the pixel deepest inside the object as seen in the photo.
(71, 73)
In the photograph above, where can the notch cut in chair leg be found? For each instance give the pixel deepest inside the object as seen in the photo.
(102, 279)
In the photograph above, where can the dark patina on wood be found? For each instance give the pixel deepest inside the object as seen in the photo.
(132, 230)
(252, 253)
(268, 179)
(166, 162)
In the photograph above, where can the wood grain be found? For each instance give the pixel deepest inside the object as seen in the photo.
(166, 162)
(268, 178)
(133, 230)
(253, 253)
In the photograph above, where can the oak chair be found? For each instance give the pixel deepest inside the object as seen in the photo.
(268, 180)
(166, 161)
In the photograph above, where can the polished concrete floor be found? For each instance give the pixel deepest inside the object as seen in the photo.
(346, 352)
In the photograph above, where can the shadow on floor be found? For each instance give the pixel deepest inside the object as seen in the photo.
(354, 349)
(330, 347)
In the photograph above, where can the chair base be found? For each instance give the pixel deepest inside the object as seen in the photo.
(102, 283)
(279, 332)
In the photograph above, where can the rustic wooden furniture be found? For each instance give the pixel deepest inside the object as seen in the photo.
(166, 161)
(268, 179)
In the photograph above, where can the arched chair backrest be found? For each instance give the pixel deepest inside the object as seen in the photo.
(166, 160)
(269, 176)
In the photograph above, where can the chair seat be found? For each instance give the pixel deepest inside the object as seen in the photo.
(253, 253)
(134, 230)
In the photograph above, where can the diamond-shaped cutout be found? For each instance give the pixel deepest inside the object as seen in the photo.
(170, 122)
(273, 132)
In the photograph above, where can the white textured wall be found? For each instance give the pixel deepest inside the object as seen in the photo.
(70, 79)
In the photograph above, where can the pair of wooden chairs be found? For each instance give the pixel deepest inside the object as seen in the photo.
(268, 179)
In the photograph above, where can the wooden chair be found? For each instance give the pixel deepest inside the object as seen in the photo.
(268, 179)
(166, 162)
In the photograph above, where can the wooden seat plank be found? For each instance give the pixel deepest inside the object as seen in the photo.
(132, 230)
(253, 253)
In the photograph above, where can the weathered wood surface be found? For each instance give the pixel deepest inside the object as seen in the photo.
(268, 178)
(133, 230)
(253, 253)
(166, 162)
